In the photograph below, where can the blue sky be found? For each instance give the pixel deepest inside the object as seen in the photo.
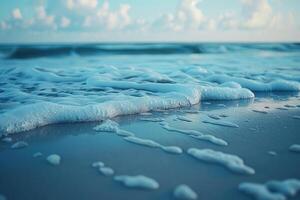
(144, 20)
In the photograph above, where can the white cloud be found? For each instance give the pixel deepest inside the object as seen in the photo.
(189, 12)
(16, 14)
(124, 14)
(187, 16)
(43, 20)
(65, 22)
(257, 13)
(254, 14)
(187, 21)
(109, 19)
(228, 20)
(81, 4)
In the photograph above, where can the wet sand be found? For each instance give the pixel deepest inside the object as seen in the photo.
(26, 177)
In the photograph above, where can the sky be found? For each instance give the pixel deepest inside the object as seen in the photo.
(26, 21)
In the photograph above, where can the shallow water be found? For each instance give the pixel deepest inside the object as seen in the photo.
(249, 91)
(26, 177)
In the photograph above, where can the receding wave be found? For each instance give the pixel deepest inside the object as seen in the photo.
(39, 51)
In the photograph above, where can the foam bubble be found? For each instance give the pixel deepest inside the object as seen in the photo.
(7, 140)
(97, 164)
(153, 144)
(296, 117)
(183, 118)
(288, 187)
(139, 181)
(107, 171)
(196, 134)
(19, 145)
(295, 148)
(37, 154)
(272, 190)
(107, 126)
(213, 116)
(272, 153)
(172, 149)
(144, 142)
(152, 119)
(253, 85)
(54, 159)
(221, 123)
(231, 162)
(259, 191)
(184, 192)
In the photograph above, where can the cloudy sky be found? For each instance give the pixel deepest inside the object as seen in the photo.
(149, 20)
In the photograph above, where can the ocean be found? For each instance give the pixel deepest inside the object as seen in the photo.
(48, 84)
(150, 121)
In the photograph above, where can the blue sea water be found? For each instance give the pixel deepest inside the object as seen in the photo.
(48, 84)
(207, 89)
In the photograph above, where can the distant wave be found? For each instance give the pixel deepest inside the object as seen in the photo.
(39, 51)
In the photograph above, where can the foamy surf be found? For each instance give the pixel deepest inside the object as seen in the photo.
(170, 96)
(89, 87)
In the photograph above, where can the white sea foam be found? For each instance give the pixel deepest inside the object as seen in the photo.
(183, 118)
(152, 119)
(54, 159)
(124, 133)
(107, 171)
(211, 139)
(231, 84)
(288, 187)
(170, 96)
(231, 162)
(172, 149)
(7, 140)
(144, 142)
(139, 181)
(271, 190)
(145, 114)
(272, 153)
(296, 117)
(37, 154)
(37, 96)
(184, 192)
(107, 126)
(260, 111)
(97, 164)
(19, 145)
(153, 144)
(190, 111)
(213, 116)
(253, 85)
(196, 134)
(221, 123)
(113, 127)
(295, 148)
(260, 192)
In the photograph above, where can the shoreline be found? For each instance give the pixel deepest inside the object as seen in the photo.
(79, 145)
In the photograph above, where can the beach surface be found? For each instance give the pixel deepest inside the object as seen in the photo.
(262, 140)
(150, 121)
